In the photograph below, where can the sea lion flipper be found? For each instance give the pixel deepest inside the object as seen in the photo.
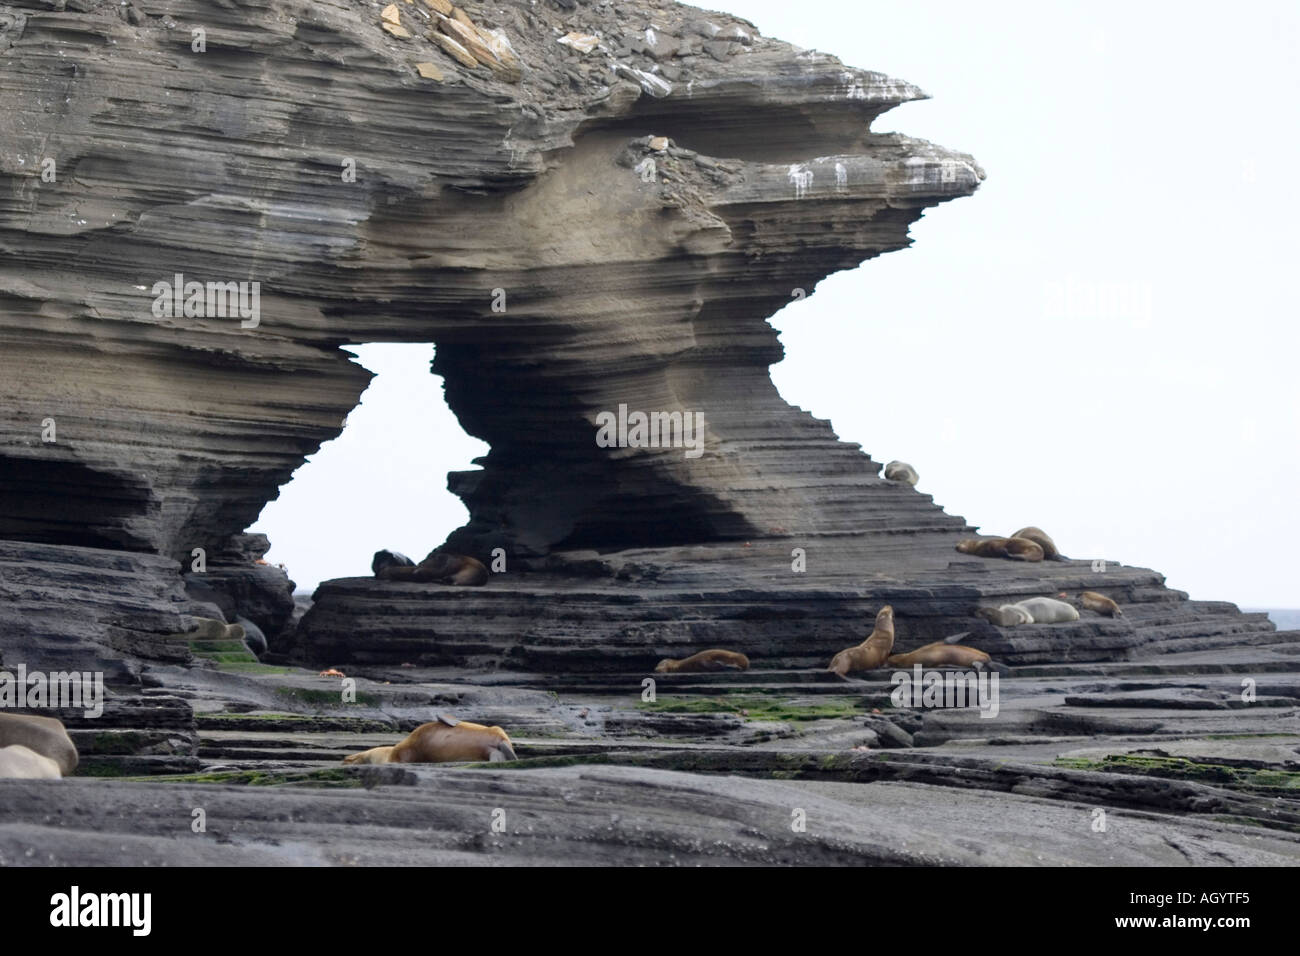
(447, 719)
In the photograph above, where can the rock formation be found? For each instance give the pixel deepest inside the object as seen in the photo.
(591, 208)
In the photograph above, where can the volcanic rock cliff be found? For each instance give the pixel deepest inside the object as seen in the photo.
(591, 208)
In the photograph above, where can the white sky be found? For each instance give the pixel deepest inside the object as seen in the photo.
(1140, 165)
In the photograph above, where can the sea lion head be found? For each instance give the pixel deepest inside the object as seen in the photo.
(665, 666)
(966, 545)
(886, 611)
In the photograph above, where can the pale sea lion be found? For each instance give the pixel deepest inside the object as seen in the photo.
(22, 763)
(714, 660)
(1008, 615)
(872, 652)
(44, 735)
(443, 740)
(1098, 603)
(1043, 540)
(442, 567)
(1017, 549)
(901, 471)
(1045, 610)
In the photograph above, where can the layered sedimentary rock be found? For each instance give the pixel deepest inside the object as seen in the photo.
(612, 229)
(591, 209)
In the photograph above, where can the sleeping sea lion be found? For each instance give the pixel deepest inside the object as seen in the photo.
(1097, 603)
(1008, 615)
(872, 652)
(1017, 549)
(714, 660)
(901, 471)
(443, 740)
(945, 654)
(441, 567)
(44, 735)
(389, 559)
(22, 763)
(1041, 538)
(1045, 610)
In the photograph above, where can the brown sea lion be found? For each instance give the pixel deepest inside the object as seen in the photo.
(714, 660)
(1008, 615)
(22, 763)
(44, 735)
(1043, 540)
(443, 740)
(441, 567)
(939, 652)
(901, 471)
(872, 652)
(1017, 549)
(1098, 603)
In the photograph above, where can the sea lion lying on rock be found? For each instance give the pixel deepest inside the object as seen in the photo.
(441, 567)
(45, 736)
(872, 652)
(1008, 615)
(901, 471)
(389, 559)
(1017, 549)
(440, 741)
(22, 763)
(1045, 610)
(941, 654)
(1041, 538)
(1092, 601)
(714, 660)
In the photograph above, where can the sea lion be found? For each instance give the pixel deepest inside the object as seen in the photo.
(44, 735)
(389, 559)
(1017, 549)
(1098, 603)
(872, 652)
(1008, 615)
(443, 740)
(442, 567)
(714, 660)
(22, 763)
(1043, 540)
(945, 654)
(901, 471)
(1045, 610)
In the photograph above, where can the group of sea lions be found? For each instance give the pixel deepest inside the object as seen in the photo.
(34, 748)
(875, 652)
(1045, 610)
(449, 739)
(439, 567)
(1027, 544)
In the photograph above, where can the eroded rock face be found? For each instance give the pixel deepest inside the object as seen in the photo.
(591, 209)
(641, 209)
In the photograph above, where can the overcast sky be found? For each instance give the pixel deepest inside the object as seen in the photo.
(1119, 294)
